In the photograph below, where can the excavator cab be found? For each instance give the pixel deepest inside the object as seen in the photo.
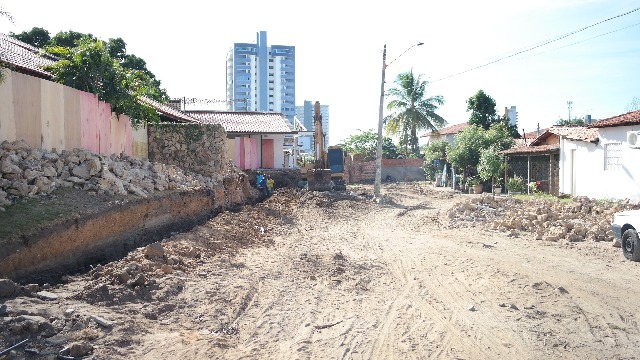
(328, 170)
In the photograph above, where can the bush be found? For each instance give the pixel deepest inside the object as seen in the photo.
(516, 184)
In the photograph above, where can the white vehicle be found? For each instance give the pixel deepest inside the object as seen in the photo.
(625, 226)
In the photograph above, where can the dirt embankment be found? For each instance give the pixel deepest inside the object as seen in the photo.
(65, 211)
(319, 275)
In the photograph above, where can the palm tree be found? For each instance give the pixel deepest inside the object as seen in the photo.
(412, 110)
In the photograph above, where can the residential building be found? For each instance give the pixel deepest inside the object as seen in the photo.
(598, 161)
(511, 114)
(261, 77)
(255, 140)
(447, 134)
(305, 114)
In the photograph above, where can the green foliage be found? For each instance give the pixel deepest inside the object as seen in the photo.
(634, 104)
(483, 110)
(116, 49)
(491, 165)
(516, 184)
(412, 110)
(37, 37)
(365, 143)
(89, 67)
(470, 142)
(572, 123)
(436, 150)
(474, 180)
(465, 153)
(8, 16)
(68, 39)
(499, 136)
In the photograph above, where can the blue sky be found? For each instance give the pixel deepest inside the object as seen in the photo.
(339, 50)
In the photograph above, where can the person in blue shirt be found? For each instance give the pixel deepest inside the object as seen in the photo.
(261, 183)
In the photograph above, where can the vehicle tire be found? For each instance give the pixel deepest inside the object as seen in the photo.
(631, 245)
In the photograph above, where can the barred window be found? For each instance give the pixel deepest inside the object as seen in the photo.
(613, 156)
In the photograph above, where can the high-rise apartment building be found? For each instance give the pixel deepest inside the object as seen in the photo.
(305, 112)
(262, 77)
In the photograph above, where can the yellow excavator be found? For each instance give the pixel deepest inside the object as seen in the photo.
(328, 172)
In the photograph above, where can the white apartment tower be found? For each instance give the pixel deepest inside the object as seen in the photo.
(261, 77)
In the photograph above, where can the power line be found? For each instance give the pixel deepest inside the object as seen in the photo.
(578, 42)
(540, 44)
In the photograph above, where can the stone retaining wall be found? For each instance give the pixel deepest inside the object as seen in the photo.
(194, 147)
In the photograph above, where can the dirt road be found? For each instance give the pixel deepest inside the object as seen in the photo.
(342, 277)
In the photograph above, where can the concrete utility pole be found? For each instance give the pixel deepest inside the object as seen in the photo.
(377, 184)
(378, 180)
(569, 104)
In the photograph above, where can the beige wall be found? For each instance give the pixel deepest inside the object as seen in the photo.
(49, 115)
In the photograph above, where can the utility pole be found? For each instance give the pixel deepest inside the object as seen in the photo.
(569, 104)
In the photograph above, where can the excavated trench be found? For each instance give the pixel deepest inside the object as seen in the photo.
(109, 235)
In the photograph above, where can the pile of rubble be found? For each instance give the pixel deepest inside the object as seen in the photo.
(580, 219)
(27, 172)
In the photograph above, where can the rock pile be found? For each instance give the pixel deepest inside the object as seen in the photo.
(28, 172)
(581, 219)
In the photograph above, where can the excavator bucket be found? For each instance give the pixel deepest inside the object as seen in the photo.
(319, 180)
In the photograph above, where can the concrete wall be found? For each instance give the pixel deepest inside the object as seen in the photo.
(195, 147)
(49, 115)
(392, 169)
(582, 170)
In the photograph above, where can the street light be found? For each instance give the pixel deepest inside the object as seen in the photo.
(376, 185)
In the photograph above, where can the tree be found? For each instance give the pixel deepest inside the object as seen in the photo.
(491, 164)
(8, 16)
(483, 110)
(470, 142)
(68, 39)
(571, 123)
(436, 150)
(412, 110)
(365, 144)
(465, 152)
(89, 67)
(634, 104)
(37, 37)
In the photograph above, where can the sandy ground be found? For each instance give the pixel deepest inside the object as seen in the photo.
(319, 276)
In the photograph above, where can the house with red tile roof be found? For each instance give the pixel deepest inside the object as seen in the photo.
(599, 161)
(24, 58)
(608, 168)
(539, 160)
(448, 133)
(256, 140)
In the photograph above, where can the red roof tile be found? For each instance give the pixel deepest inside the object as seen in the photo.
(169, 111)
(540, 149)
(453, 129)
(24, 57)
(245, 122)
(579, 133)
(630, 118)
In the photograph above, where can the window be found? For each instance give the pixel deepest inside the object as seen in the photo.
(613, 156)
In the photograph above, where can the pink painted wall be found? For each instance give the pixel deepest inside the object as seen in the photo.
(50, 115)
(246, 153)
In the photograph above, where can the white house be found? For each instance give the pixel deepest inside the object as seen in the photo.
(607, 169)
(446, 134)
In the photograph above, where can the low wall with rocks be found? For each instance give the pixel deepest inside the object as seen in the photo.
(28, 172)
(392, 170)
(163, 198)
(194, 147)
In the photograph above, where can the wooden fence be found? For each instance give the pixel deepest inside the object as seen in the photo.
(50, 115)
